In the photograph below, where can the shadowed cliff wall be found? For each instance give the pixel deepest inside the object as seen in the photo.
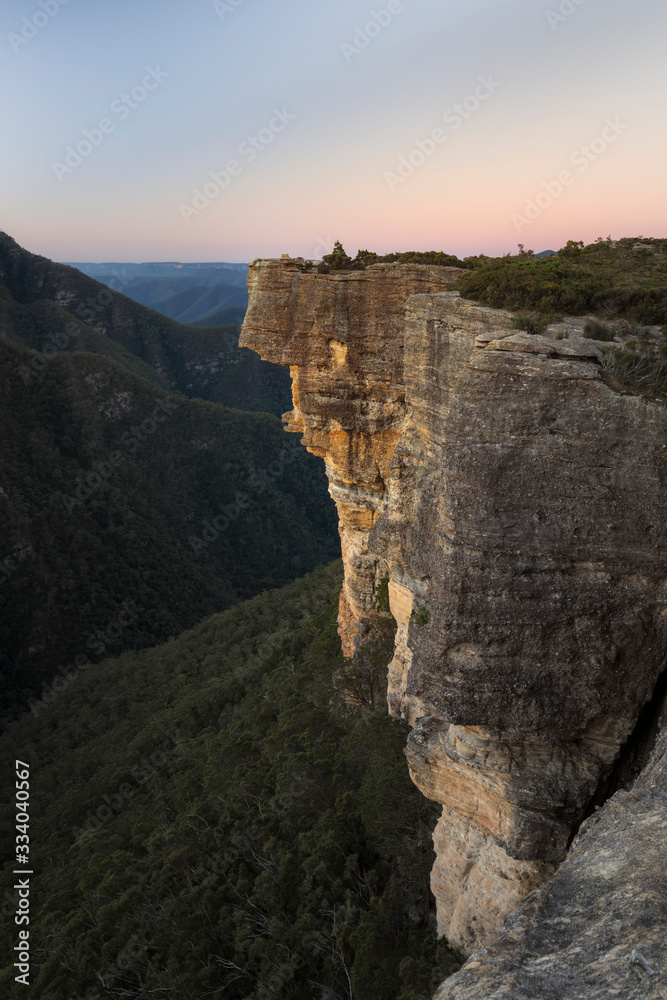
(516, 503)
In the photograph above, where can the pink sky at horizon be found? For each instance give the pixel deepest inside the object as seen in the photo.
(481, 107)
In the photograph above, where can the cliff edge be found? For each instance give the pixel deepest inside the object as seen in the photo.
(516, 504)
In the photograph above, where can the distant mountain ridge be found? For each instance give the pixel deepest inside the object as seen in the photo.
(41, 300)
(198, 303)
(232, 272)
(231, 314)
(188, 293)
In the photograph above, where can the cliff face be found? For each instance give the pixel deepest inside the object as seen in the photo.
(343, 338)
(596, 929)
(516, 504)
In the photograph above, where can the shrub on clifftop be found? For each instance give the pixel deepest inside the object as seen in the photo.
(621, 278)
(339, 260)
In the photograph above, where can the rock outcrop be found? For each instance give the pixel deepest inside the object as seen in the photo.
(596, 930)
(516, 503)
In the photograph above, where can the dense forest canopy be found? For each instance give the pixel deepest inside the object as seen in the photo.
(223, 816)
(116, 491)
(129, 511)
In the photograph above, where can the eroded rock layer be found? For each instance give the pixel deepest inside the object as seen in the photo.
(516, 504)
(343, 338)
(596, 930)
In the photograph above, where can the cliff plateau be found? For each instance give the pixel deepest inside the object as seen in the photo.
(514, 500)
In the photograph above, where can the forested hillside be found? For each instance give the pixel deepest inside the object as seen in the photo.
(189, 293)
(234, 314)
(226, 815)
(196, 304)
(128, 514)
(54, 308)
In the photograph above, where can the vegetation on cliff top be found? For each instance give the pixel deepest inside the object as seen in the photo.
(612, 278)
(624, 281)
(338, 259)
(215, 820)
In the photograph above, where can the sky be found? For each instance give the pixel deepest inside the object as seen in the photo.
(225, 130)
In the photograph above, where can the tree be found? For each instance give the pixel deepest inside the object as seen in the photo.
(338, 259)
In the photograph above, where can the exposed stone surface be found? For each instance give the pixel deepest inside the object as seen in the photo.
(343, 337)
(596, 930)
(517, 504)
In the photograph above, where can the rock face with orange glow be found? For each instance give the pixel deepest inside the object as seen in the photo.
(516, 503)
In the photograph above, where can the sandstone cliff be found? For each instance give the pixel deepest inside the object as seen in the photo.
(515, 501)
(596, 929)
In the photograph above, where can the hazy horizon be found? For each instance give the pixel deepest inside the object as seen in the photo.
(227, 130)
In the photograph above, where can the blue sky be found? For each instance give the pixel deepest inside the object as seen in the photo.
(340, 102)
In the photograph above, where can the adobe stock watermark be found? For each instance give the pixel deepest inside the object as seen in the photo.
(132, 954)
(121, 108)
(256, 483)
(132, 441)
(224, 7)
(454, 117)
(558, 15)
(248, 150)
(323, 246)
(11, 563)
(214, 528)
(581, 159)
(56, 342)
(140, 773)
(376, 24)
(119, 281)
(31, 26)
(98, 642)
(7, 569)
(62, 340)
